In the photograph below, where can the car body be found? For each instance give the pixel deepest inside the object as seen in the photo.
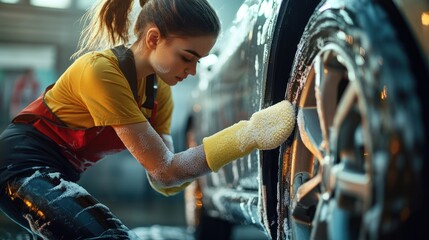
(334, 61)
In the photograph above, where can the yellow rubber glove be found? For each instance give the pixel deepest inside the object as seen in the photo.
(169, 191)
(266, 129)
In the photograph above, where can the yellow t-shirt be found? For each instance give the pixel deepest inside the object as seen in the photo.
(94, 92)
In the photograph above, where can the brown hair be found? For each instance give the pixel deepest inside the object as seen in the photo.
(108, 21)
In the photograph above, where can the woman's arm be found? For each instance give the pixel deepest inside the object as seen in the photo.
(164, 167)
(266, 129)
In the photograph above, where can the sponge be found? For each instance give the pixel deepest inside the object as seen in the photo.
(266, 129)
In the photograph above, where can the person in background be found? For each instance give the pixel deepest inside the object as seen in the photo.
(117, 96)
(26, 89)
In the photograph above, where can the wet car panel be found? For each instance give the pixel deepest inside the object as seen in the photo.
(278, 191)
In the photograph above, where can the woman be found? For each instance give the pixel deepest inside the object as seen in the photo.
(106, 102)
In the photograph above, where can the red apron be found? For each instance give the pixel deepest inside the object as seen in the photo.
(82, 147)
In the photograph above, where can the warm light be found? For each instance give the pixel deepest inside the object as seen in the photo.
(365, 155)
(40, 214)
(28, 203)
(349, 39)
(425, 18)
(383, 94)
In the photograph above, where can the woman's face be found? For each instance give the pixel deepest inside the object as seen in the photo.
(177, 57)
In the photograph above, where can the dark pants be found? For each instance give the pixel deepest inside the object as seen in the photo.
(38, 191)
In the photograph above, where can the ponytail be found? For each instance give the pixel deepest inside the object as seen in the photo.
(107, 25)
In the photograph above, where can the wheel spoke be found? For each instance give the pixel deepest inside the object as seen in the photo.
(328, 78)
(345, 105)
(309, 130)
(306, 198)
(319, 70)
(320, 221)
(351, 183)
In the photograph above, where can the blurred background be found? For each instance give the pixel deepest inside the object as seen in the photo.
(37, 38)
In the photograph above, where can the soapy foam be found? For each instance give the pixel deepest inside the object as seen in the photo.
(35, 227)
(170, 169)
(98, 205)
(192, 160)
(69, 189)
(268, 128)
(161, 69)
(180, 167)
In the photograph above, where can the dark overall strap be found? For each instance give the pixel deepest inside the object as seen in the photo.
(127, 65)
(151, 91)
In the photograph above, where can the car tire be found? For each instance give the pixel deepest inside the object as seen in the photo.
(354, 169)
